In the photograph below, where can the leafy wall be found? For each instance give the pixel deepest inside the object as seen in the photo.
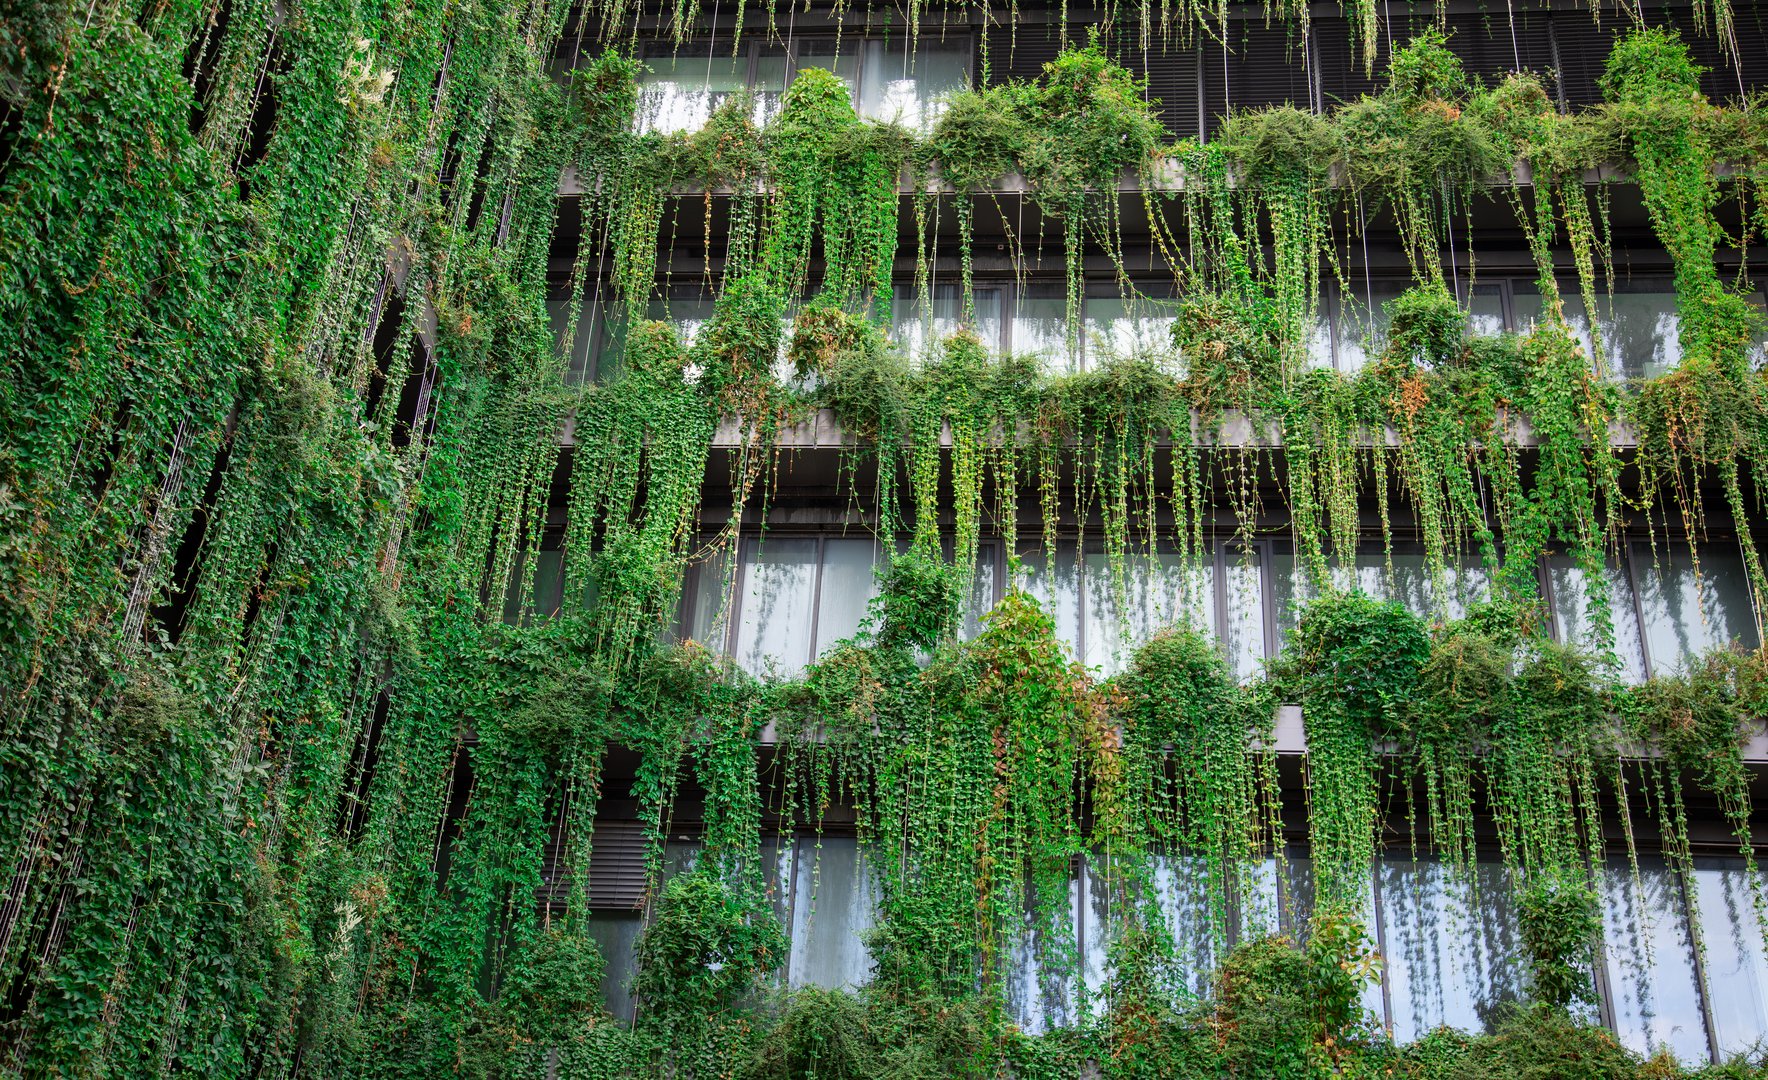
(282, 416)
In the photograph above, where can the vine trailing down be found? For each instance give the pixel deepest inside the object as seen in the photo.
(284, 418)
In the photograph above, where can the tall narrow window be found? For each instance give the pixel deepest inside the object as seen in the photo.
(1736, 964)
(1686, 612)
(1650, 957)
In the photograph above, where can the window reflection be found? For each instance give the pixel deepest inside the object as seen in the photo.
(773, 625)
(1687, 613)
(1156, 591)
(1243, 621)
(1650, 960)
(1736, 965)
(1452, 950)
(919, 334)
(849, 582)
(1575, 622)
(900, 87)
(1181, 889)
(1042, 991)
(1362, 320)
(1406, 577)
(1119, 325)
(1040, 327)
(1056, 585)
(616, 937)
(678, 91)
(835, 900)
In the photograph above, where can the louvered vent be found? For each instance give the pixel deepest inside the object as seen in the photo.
(1171, 71)
(1022, 52)
(1494, 43)
(616, 868)
(1259, 66)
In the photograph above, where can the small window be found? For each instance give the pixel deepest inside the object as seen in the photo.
(1687, 613)
(1736, 965)
(1574, 614)
(900, 87)
(1453, 953)
(1040, 327)
(919, 332)
(1649, 954)
(681, 86)
(1157, 591)
(835, 901)
(1360, 320)
(1128, 325)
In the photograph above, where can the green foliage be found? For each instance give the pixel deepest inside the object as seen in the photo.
(1560, 924)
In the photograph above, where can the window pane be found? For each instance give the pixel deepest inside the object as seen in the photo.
(1362, 321)
(1737, 969)
(519, 606)
(707, 595)
(771, 69)
(1182, 891)
(1685, 614)
(1650, 961)
(1571, 613)
(1041, 990)
(1290, 592)
(1528, 313)
(1298, 873)
(1449, 961)
(1057, 589)
(848, 585)
(912, 327)
(687, 313)
(616, 937)
(1124, 326)
(1040, 327)
(834, 905)
(1640, 336)
(1244, 621)
(1158, 592)
(774, 625)
(1410, 583)
(824, 54)
(1485, 310)
(897, 89)
(983, 591)
(679, 92)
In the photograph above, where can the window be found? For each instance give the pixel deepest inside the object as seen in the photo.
(1574, 616)
(1126, 325)
(521, 607)
(1102, 621)
(1360, 320)
(1452, 951)
(919, 332)
(1042, 991)
(1736, 965)
(793, 598)
(591, 348)
(890, 83)
(1649, 955)
(1638, 328)
(616, 937)
(1404, 575)
(834, 902)
(1686, 613)
(1040, 326)
(683, 84)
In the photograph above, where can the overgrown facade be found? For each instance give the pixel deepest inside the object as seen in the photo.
(1031, 541)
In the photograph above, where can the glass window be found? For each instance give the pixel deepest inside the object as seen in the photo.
(1639, 324)
(1243, 623)
(1737, 968)
(848, 584)
(1158, 591)
(1406, 577)
(1687, 614)
(1573, 622)
(548, 584)
(1056, 587)
(1298, 879)
(1181, 889)
(834, 903)
(912, 324)
(1041, 989)
(1361, 320)
(983, 591)
(1040, 326)
(678, 91)
(778, 589)
(1290, 592)
(1452, 950)
(1650, 960)
(826, 54)
(706, 599)
(686, 310)
(1119, 325)
(616, 937)
(899, 87)
(1485, 310)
